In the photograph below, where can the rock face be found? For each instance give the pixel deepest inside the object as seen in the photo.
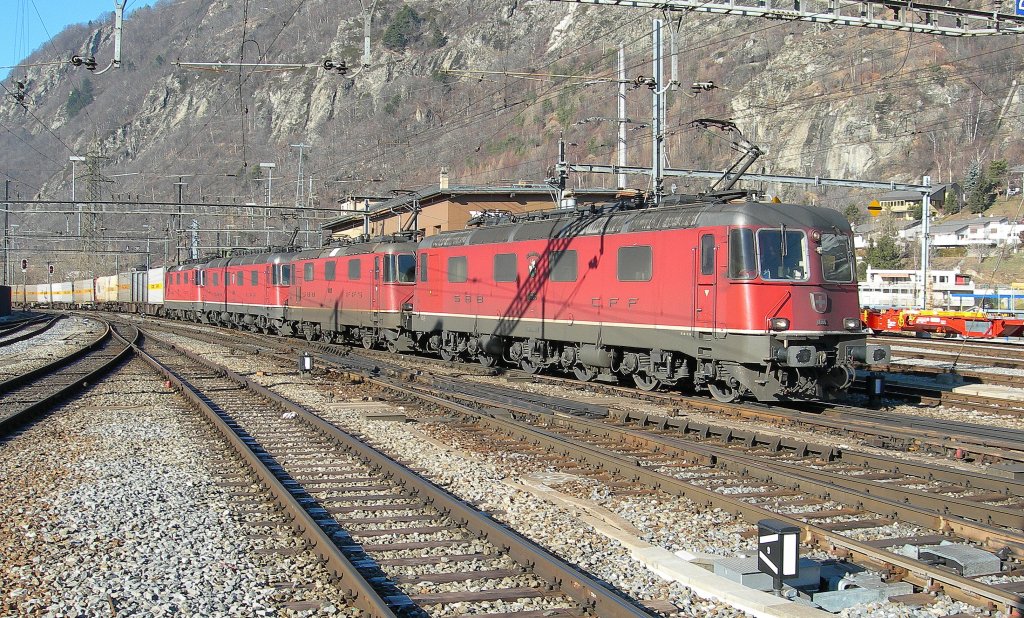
(819, 100)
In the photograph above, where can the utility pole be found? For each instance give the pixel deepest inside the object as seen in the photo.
(658, 93)
(75, 159)
(177, 224)
(926, 206)
(299, 210)
(7, 229)
(621, 144)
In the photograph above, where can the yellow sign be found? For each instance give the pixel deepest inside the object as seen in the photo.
(874, 208)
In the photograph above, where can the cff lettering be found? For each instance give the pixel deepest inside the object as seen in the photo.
(1020, 7)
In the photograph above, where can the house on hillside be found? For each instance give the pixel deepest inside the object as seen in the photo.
(978, 232)
(900, 204)
(865, 233)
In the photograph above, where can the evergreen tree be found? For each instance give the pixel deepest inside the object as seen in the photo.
(886, 253)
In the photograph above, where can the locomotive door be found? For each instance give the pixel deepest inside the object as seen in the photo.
(705, 304)
(375, 292)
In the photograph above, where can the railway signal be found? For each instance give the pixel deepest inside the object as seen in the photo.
(49, 268)
(778, 551)
(24, 264)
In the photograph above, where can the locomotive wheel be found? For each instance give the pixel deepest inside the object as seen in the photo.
(584, 374)
(529, 366)
(487, 360)
(447, 355)
(367, 342)
(645, 382)
(723, 392)
(310, 334)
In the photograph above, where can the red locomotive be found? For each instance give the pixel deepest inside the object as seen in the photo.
(740, 299)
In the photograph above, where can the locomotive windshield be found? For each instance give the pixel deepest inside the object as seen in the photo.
(836, 260)
(400, 268)
(782, 254)
(742, 259)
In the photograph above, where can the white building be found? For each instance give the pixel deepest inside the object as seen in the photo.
(982, 231)
(902, 288)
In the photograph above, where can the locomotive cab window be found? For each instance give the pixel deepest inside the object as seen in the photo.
(355, 269)
(563, 265)
(742, 259)
(400, 268)
(504, 267)
(458, 269)
(782, 254)
(634, 263)
(329, 270)
(307, 271)
(836, 258)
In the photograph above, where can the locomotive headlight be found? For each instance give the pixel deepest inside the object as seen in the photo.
(852, 324)
(778, 323)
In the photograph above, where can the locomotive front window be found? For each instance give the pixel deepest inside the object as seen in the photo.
(836, 258)
(782, 254)
(742, 258)
(406, 267)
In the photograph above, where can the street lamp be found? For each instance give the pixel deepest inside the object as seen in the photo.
(75, 159)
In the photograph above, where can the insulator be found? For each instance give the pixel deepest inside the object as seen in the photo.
(340, 67)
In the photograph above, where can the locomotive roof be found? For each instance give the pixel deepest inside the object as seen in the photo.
(246, 260)
(388, 245)
(679, 216)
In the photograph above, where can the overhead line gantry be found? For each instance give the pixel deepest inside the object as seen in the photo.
(895, 15)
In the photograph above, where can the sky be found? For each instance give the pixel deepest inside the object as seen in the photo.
(24, 24)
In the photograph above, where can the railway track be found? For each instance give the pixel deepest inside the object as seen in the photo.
(884, 430)
(364, 513)
(35, 391)
(14, 333)
(831, 495)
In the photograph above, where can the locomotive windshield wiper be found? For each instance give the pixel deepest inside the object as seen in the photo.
(782, 236)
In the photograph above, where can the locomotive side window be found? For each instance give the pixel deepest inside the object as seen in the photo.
(286, 274)
(505, 267)
(742, 259)
(355, 269)
(307, 271)
(216, 279)
(707, 254)
(227, 278)
(458, 269)
(563, 265)
(241, 278)
(423, 267)
(254, 277)
(635, 263)
(329, 270)
(782, 254)
(836, 259)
